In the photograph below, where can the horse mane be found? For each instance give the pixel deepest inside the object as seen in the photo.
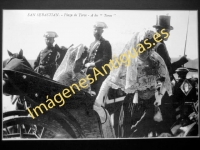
(27, 63)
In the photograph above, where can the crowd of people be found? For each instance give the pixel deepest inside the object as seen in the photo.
(146, 81)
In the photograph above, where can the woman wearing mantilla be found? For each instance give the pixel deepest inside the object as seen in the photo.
(144, 80)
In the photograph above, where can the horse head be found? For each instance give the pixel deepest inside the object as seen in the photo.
(17, 56)
(16, 62)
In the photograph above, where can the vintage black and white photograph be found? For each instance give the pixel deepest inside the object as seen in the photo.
(99, 74)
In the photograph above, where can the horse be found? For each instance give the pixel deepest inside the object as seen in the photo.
(8, 89)
(67, 72)
(17, 63)
(20, 79)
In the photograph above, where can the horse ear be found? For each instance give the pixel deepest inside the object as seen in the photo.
(21, 53)
(9, 53)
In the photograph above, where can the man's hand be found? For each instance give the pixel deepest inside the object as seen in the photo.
(89, 65)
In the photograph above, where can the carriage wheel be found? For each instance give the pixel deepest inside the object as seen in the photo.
(17, 124)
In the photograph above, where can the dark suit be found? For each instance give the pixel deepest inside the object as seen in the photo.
(161, 49)
(48, 61)
(100, 57)
(167, 102)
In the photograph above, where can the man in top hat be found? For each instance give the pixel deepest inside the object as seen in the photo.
(163, 25)
(99, 53)
(168, 113)
(49, 58)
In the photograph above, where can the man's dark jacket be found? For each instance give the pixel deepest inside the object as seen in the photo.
(161, 49)
(102, 56)
(167, 110)
(48, 60)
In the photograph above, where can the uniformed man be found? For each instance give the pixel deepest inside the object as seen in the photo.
(49, 58)
(163, 25)
(99, 54)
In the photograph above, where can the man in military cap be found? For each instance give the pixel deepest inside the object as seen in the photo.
(99, 54)
(49, 58)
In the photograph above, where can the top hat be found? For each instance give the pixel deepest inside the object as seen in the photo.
(100, 25)
(163, 21)
(50, 34)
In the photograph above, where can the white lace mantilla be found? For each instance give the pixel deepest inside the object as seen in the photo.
(135, 77)
(65, 74)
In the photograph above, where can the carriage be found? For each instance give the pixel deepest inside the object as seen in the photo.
(68, 120)
(32, 90)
